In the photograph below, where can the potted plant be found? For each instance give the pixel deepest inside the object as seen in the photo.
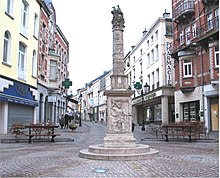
(72, 126)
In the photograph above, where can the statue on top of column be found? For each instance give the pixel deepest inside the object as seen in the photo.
(118, 19)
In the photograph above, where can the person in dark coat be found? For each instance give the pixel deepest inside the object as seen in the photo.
(66, 121)
(62, 121)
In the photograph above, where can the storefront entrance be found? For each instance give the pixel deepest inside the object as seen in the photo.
(214, 115)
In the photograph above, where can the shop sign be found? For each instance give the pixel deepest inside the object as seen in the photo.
(52, 99)
(168, 65)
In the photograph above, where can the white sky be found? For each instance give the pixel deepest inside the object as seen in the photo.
(87, 26)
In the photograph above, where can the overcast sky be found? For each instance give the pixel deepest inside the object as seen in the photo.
(87, 26)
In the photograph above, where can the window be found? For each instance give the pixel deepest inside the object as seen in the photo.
(152, 81)
(216, 56)
(148, 80)
(7, 48)
(53, 70)
(157, 52)
(36, 25)
(187, 68)
(181, 37)
(44, 32)
(157, 77)
(156, 34)
(209, 21)
(152, 39)
(42, 67)
(217, 18)
(187, 33)
(194, 29)
(191, 111)
(22, 61)
(148, 59)
(9, 7)
(24, 17)
(148, 43)
(34, 64)
(152, 56)
(141, 68)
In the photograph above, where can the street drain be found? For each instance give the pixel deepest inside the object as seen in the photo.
(99, 170)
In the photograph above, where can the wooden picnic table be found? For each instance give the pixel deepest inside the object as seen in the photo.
(39, 130)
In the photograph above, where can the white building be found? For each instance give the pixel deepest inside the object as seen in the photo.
(149, 62)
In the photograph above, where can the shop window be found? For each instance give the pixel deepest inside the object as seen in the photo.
(191, 111)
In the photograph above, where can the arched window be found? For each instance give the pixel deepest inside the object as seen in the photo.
(22, 61)
(34, 64)
(7, 48)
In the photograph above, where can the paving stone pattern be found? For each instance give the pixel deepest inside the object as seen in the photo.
(61, 159)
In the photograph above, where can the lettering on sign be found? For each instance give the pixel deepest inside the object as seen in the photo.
(168, 65)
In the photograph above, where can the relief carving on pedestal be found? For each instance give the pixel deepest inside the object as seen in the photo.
(120, 122)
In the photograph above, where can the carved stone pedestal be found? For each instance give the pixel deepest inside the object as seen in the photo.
(119, 143)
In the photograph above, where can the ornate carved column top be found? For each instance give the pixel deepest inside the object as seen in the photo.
(118, 19)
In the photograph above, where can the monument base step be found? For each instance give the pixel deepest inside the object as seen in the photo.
(98, 152)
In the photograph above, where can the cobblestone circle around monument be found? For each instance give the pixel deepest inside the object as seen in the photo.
(61, 159)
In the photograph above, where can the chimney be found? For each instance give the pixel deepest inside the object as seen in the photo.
(166, 14)
(144, 32)
(132, 47)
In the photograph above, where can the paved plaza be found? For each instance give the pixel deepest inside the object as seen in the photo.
(61, 158)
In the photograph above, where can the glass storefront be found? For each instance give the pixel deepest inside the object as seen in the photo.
(191, 111)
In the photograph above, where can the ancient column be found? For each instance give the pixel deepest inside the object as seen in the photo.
(119, 107)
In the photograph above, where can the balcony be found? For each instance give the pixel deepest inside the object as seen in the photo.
(203, 34)
(184, 9)
(210, 2)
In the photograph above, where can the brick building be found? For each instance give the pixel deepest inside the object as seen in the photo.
(195, 48)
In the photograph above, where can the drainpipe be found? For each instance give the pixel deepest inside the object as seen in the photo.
(201, 59)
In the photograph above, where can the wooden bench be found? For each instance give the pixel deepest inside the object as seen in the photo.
(39, 130)
(42, 135)
(179, 130)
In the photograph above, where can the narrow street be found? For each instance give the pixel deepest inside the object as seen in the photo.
(60, 159)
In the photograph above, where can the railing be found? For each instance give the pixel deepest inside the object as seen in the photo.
(201, 32)
(184, 7)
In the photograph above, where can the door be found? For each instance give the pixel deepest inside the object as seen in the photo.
(214, 117)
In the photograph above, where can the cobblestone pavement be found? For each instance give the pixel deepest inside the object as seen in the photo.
(60, 159)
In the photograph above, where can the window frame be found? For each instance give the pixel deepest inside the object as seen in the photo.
(22, 58)
(9, 7)
(54, 66)
(24, 17)
(36, 25)
(8, 50)
(187, 68)
(216, 58)
(34, 63)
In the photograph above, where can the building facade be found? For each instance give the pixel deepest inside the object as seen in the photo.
(149, 63)
(18, 55)
(52, 67)
(195, 48)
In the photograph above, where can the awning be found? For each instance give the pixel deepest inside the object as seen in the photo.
(73, 101)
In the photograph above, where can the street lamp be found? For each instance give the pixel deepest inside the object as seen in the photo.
(143, 90)
(80, 107)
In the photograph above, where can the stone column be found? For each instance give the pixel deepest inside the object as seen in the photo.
(165, 110)
(119, 106)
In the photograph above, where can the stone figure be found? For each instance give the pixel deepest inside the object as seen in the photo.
(118, 19)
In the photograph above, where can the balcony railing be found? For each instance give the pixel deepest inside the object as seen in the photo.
(202, 32)
(186, 7)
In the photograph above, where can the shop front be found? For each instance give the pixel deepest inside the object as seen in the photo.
(18, 103)
(157, 107)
